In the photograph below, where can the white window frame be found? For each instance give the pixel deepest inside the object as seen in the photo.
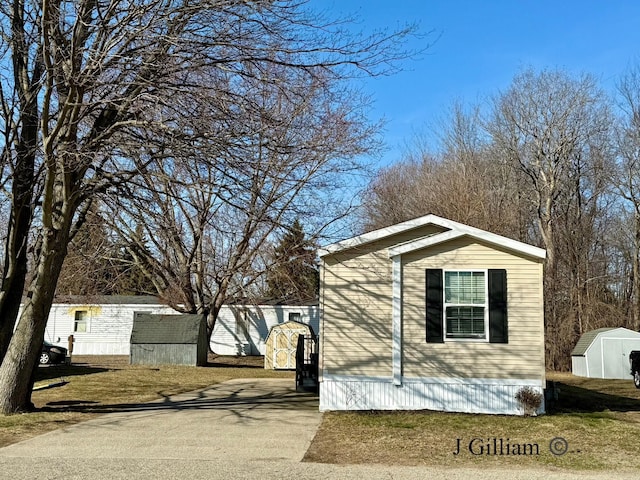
(86, 321)
(484, 339)
(299, 319)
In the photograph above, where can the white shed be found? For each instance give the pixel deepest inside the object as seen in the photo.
(604, 353)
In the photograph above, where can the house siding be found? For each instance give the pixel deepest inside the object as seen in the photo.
(228, 339)
(356, 295)
(360, 367)
(109, 326)
(357, 285)
(470, 358)
(469, 395)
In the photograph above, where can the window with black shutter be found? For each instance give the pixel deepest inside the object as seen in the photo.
(466, 305)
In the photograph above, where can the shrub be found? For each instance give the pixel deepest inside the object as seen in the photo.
(529, 400)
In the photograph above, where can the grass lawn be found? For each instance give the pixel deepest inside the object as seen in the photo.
(101, 384)
(599, 419)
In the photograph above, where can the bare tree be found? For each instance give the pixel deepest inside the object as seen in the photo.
(85, 83)
(463, 182)
(626, 179)
(209, 211)
(554, 129)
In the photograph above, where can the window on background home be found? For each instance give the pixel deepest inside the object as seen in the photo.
(81, 321)
(465, 304)
(295, 317)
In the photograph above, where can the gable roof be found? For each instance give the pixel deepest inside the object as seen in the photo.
(587, 339)
(169, 329)
(452, 230)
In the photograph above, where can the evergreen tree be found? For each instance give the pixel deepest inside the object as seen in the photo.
(294, 275)
(96, 265)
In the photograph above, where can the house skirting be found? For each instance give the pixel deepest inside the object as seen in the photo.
(469, 395)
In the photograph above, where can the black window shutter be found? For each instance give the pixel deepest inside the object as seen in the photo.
(435, 332)
(498, 325)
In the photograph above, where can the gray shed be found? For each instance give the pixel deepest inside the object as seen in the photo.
(168, 340)
(604, 353)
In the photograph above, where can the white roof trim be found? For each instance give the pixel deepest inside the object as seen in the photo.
(455, 230)
(376, 235)
(487, 237)
(424, 242)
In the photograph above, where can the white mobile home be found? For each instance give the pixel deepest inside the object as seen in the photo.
(102, 325)
(430, 314)
(243, 329)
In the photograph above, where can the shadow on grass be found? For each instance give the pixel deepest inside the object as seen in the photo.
(229, 361)
(239, 400)
(575, 399)
(231, 365)
(50, 372)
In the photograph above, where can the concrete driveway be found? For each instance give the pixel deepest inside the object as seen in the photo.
(240, 429)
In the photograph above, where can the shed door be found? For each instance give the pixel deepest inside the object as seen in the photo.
(285, 342)
(615, 357)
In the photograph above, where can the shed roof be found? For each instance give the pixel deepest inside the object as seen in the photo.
(291, 325)
(171, 329)
(452, 230)
(586, 340)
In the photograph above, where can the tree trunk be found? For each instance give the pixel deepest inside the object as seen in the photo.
(15, 255)
(15, 271)
(24, 348)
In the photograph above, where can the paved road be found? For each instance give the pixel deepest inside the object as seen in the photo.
(241, 429)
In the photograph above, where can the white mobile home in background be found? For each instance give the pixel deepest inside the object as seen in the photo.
(101, 325)
(243, 329)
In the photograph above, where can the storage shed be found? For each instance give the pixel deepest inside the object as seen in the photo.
(168, 340)
(280, 348)
(604, 353)
(102, 324)
(242, 328)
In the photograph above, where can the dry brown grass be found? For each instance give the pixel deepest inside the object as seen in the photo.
(600, 419)
(102, 384)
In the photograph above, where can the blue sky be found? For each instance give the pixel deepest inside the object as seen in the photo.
(480, 46)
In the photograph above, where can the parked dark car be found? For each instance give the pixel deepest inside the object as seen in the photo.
(52, 354)
(634, 361)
